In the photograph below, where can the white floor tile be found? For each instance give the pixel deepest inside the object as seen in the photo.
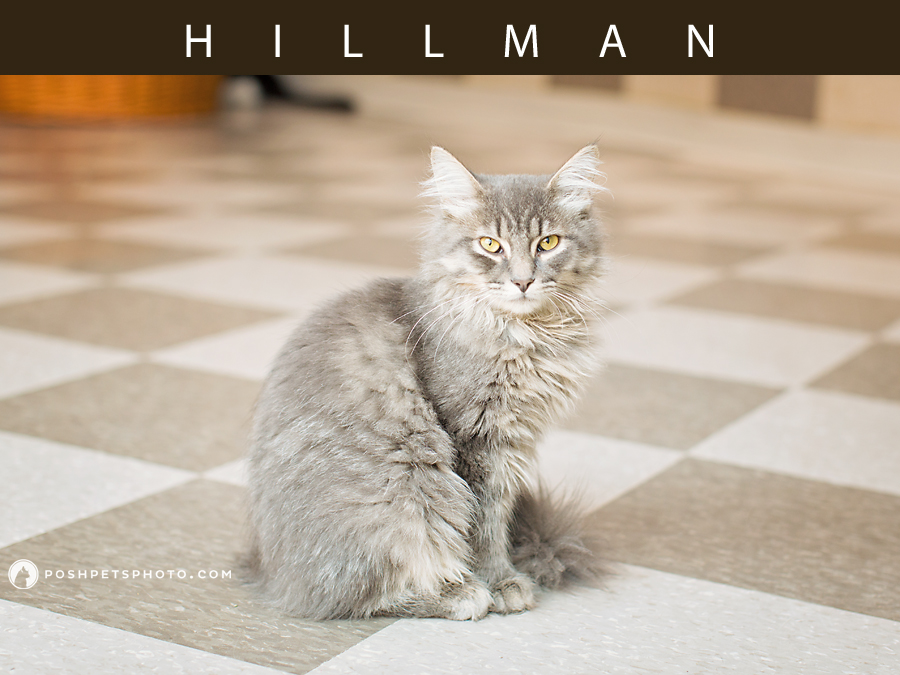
(645, 622)
(17, 231)
(21, 281)
(242, 352)
(37, 641)
(728, 346)
(825, 436)
(30, 361)
(632, 279)
(858, 271)
(739, 226)
(233, 473)
(271, 282)
(206, 231)
(597, 469)
(46, 485)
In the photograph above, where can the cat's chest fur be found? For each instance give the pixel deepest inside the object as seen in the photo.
(505, 386)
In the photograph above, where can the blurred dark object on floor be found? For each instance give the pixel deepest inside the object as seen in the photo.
(251, 90)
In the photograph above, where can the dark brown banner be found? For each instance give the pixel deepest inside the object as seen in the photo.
(460, 37)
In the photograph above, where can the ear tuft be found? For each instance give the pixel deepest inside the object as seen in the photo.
(451, 184)
(576, 183)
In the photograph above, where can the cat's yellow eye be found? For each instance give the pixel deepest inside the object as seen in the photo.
(489, 245)
(548, 243)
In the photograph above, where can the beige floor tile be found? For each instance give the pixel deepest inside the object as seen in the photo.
(713, 172)
(892, 333)
(868, 241)
(270, 167)
(95, 255)
(174, 191)
(126, 318)
(823, 198)
(19, 232)
(81, 212)
(676, 249)
(216, 232)
(795, 303)
(660, 192)
(830, 545)
(392, 191)
(195, 527)
(886, 221)
(55, 170)
(399, 252)
(737, 225)
(360, 213)
(663, 409)
(170, 416)
(12, 192)
(875, 372)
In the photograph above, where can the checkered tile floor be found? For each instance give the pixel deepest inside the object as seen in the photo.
(741, 451)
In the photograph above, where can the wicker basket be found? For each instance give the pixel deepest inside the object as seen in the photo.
(86, 97)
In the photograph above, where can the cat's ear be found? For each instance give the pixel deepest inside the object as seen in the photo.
(576, 183)
(452, 184)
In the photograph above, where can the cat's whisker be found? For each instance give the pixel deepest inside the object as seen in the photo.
(609, 309)
(449, 326)
(562, 317)
(434, 307)
(437, 306)
(580, 305)
(571, 303)
(433, 323)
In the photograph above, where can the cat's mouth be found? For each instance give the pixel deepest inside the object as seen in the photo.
(523, 304)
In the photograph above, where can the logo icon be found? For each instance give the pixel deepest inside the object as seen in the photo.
(23, 574)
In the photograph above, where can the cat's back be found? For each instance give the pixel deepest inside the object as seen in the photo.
(346, 454)
(346, 350)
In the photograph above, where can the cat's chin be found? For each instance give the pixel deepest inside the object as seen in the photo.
(522, 307)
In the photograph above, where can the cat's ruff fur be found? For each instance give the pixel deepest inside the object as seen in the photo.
(394, 439)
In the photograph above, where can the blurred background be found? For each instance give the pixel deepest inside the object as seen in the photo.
(160, 236)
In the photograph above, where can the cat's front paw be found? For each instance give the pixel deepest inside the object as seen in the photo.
(469, 602)
(515, 594)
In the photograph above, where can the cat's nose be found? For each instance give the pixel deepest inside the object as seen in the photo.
(523, 284)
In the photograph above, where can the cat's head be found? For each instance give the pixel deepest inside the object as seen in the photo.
(523, 244)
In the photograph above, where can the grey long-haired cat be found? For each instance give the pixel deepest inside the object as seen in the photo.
(394, 439)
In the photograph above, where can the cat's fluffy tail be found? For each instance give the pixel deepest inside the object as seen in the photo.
(549, 541)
